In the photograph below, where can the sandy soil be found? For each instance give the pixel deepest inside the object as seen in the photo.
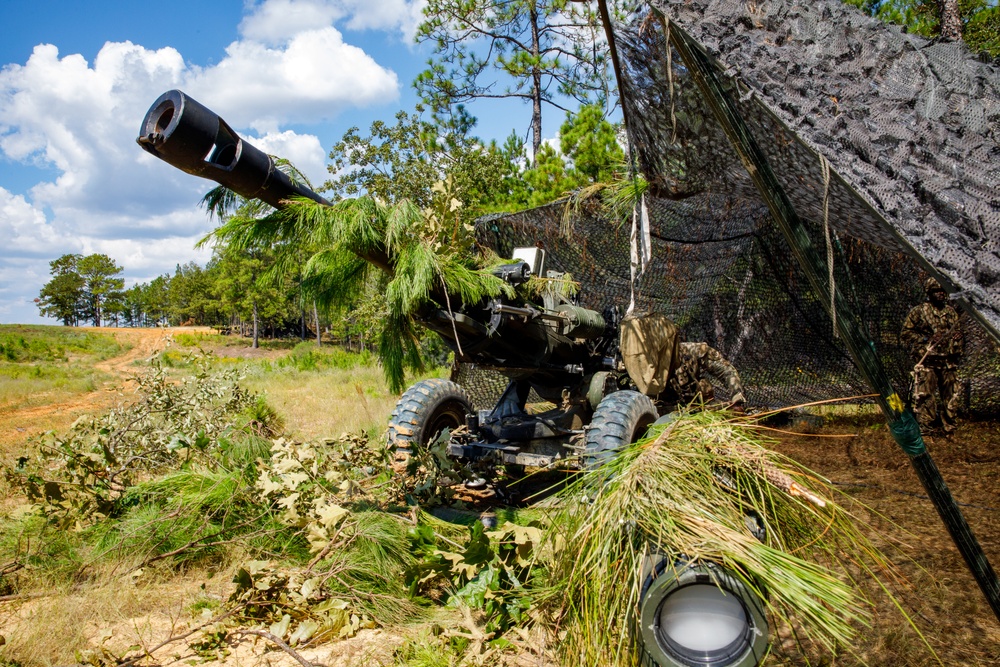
(940, 594)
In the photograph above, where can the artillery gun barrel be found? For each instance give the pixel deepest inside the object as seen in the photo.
(191, 137)
(188, 135)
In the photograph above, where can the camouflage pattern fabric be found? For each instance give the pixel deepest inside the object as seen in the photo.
(933, 339)
(698, 362)
(932, 334)
(928, 381)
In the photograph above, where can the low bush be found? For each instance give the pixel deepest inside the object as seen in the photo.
(306, 356)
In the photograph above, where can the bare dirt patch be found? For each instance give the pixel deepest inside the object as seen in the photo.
(939, 593)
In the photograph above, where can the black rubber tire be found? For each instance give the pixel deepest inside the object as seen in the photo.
(426, 409)
(619, 420)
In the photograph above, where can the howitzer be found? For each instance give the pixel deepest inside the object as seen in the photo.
(698, 614)
(564, 352)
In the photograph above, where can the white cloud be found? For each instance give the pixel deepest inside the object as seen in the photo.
(24, 228)
(147, 259)
(310, 79)
(275, 21)
(80, 120)
(303, 150)
(387, 14)
(17, 301)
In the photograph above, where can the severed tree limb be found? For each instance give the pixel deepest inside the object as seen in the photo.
(11, 567)
(326, 550)
(280, 644)
(25, 596)
(128, 662)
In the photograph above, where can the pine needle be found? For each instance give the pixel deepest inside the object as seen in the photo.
(684, 492)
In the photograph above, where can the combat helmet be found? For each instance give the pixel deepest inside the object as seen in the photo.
(932, 285)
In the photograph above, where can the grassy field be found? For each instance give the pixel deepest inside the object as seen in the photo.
(40, 365)
(148, 555)
(320, 392)
(309, 393)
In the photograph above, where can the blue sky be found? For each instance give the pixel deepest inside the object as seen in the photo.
(76, 79)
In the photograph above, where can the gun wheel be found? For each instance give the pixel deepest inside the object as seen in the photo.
(620, 419)
(426, 409)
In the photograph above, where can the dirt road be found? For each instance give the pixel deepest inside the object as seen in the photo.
(19, 425)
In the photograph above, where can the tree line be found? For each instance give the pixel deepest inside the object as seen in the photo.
(226, 294)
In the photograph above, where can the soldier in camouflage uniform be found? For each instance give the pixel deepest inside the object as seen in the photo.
(689, 383)
(933, 338)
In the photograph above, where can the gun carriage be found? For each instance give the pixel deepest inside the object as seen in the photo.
(566, 354)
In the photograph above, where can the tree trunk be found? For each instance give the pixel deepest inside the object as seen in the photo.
(256, 323)
(536, 87)
(319, 333)
(951, 21)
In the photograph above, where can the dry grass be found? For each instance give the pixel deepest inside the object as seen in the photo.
(330, 402)
(121, 612)
(44, 384)
(939, 593)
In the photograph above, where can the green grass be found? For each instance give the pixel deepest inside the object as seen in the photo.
(43, 384)
(325, 394)
(194, 339)
(320, 391)
(202, 340)
(25, 344)
(49, 555)
(423, 651)
(307, 357)
(43, 364)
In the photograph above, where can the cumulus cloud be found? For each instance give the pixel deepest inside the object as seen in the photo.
(311, 78)
(31, 242)
(16, 303)
(275, 21)
(303, 150)
(24, 229)
(79, 119)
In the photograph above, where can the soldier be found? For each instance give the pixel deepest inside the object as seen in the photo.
(933, 339)
(689, 383)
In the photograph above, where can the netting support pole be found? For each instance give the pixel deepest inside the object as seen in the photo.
(902, 423)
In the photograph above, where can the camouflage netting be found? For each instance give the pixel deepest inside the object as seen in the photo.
(898, 135)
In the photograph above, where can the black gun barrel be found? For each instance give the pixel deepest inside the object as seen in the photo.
(188, 135)
(191, 137)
